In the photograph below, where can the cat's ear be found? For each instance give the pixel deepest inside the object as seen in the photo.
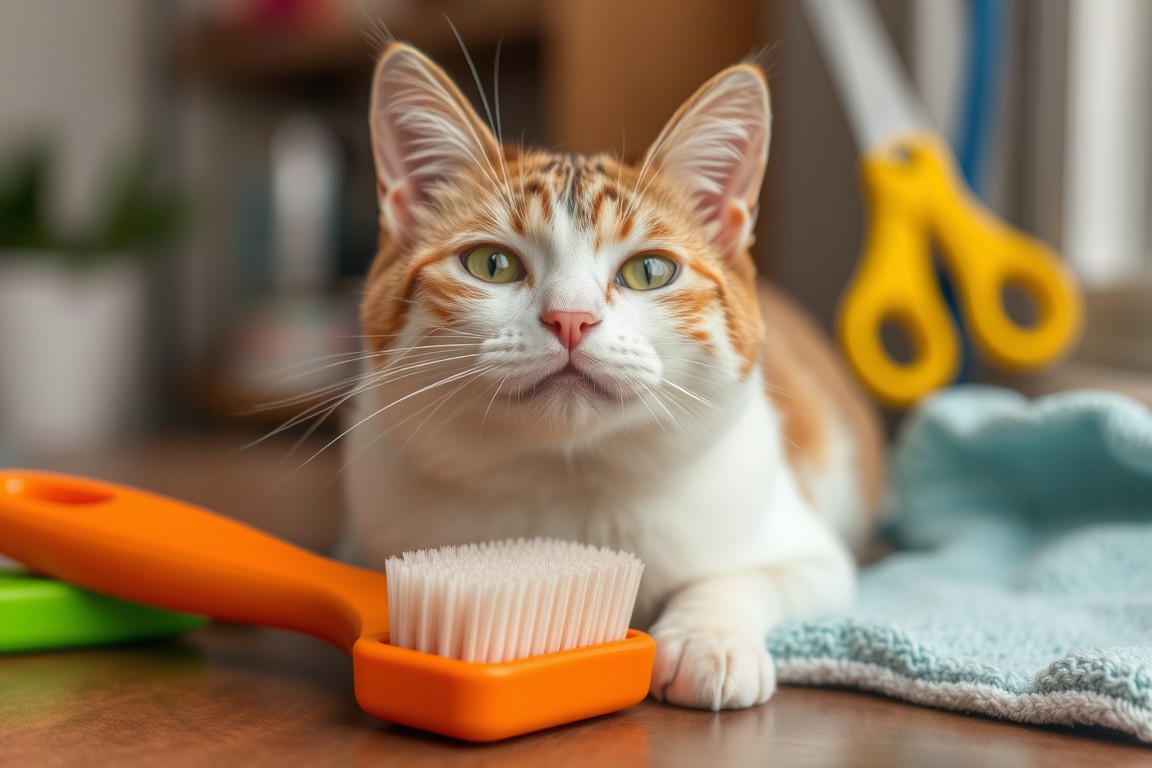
(424, 133)
(716, 148)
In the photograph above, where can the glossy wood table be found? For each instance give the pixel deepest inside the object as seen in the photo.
(240, 696)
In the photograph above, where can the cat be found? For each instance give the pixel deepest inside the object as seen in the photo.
(576, 347)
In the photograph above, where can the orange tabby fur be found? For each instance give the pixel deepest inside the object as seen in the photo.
(702, 422)
(807, 382)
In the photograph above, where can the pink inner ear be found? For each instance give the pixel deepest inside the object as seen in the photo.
(735, 225)
(748, 174)
(398, 209)
(716, 148)
(423, 132)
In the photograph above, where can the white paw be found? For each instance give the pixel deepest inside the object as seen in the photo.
(709, 669)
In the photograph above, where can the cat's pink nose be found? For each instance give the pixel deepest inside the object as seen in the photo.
(569, 327)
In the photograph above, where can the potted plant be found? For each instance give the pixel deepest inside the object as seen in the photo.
(72, 303)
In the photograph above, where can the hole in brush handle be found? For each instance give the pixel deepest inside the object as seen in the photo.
(56, 491)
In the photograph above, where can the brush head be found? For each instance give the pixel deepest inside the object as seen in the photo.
(508, 600)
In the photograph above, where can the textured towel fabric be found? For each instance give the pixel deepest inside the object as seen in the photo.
(1022, 584)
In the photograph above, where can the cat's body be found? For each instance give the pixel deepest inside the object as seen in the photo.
(573, 347)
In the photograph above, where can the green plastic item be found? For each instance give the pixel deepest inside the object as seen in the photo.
(38, 614)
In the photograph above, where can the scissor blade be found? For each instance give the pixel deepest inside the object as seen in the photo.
(873, 85)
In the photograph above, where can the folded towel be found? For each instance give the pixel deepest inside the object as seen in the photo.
(1022, 584)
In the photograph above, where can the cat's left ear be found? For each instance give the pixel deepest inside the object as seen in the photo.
(716, 148)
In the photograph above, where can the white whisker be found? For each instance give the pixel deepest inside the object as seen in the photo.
(378, 411)
(691, 394)
(384, 433)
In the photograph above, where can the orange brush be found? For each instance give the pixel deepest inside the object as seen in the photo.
(161, 552)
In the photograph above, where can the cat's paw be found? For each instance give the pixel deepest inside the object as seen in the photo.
(710, 669)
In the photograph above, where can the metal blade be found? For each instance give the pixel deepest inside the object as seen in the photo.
(874, 87)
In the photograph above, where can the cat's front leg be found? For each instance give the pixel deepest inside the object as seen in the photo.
(710, 639)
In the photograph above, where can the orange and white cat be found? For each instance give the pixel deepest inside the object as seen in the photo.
(571, 346)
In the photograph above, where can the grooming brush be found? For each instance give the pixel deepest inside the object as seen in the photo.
(464, 601)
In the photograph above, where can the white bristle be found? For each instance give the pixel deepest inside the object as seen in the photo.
(507, 600)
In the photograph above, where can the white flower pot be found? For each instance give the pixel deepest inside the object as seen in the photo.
(71, 347)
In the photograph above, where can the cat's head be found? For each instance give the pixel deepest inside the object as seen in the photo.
(560, 297)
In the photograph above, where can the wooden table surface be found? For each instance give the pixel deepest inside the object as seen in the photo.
(241, 696)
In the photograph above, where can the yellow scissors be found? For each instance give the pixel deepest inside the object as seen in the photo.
(916, 197)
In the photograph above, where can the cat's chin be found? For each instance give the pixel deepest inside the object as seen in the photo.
(563, 385)
(568, 403)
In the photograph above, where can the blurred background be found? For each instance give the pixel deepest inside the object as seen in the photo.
(187, 203)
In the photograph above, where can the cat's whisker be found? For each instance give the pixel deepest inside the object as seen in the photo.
(768, 386)
(343, 391)
(434, 331)
(696, 376)
(671, 417)
(318, 421)
(264, 406)
(447, 419)
(370, 382)
(416, 364)
(340, 357)
(691, 394)
(633, 198)
(506, 189)
(359, 384)
(686, 412)
(288, 400)
(274, 404)
(338, 388)
(383, 433)
(699, 363)
(495, 394)
(318, 411)
(790, 394)
(432, 409)
(417, 347)
(378, 411)
(416, 354)
(496, 97)
(640, 397)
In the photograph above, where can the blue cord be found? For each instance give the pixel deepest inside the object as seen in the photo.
(981, 89)
(981, 100)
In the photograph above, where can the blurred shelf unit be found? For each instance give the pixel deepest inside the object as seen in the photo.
(223, 52)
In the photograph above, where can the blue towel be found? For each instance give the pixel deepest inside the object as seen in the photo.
(1022, 584)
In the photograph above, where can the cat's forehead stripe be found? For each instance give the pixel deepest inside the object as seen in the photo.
(581, 184)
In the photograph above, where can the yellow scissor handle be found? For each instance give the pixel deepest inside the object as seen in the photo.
(915, 196)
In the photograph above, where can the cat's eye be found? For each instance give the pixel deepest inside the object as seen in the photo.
(493, 264)
(646, 271)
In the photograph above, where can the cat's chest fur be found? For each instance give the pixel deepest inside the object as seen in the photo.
(726, 503)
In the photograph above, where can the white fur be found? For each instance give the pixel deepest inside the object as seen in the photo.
(702, 494)
(669, 452)
(836, 490)
(723, 506)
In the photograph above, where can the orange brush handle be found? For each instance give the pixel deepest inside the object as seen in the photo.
(151, 549)
(154, 550)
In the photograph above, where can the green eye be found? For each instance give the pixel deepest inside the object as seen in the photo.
(647, 271)
(494, 265)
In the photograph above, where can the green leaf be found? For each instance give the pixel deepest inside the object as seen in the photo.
(137, 215)
(23, 222)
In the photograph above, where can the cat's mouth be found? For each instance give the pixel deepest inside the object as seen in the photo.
(568, 380)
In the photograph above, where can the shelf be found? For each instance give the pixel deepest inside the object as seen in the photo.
(234, 53)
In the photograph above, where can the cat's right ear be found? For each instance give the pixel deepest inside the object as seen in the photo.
(424, 133)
